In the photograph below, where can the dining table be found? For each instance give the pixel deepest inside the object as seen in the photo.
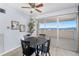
(35, 42)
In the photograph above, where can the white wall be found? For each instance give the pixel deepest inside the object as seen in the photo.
(11, 37)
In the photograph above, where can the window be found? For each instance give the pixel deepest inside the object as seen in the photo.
(61, 25)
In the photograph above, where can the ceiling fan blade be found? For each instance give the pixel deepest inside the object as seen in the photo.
(32, 5)
(38, 10)
(39, 5)
(25, 7)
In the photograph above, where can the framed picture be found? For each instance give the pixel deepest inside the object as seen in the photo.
(14, 25)
(22, 28)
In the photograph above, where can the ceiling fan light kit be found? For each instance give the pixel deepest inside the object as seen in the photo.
(35, 7)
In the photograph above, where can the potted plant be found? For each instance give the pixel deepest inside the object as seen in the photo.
(31, 26)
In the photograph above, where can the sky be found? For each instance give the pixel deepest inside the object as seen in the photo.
(60, 25)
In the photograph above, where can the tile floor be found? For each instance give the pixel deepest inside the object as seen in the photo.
(57, 52)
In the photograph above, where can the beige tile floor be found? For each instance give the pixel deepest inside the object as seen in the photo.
(55, 52)
(62, 52)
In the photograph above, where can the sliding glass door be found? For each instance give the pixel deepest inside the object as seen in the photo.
(48, 26)
(62, 30)
(68, 32)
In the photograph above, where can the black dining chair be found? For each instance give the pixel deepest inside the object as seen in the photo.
(45, 48)
(26, 49)
(42, 35)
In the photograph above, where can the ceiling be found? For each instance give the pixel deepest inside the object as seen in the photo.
(47, 8)
(67, 17)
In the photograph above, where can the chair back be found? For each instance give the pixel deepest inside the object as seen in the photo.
(25, 47)
(47, 45)
(42, 35)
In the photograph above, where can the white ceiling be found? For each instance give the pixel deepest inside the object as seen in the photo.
(47, 8)
(71, 16)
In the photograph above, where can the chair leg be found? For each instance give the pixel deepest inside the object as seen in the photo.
(23, 54)
(49, 53)
(41, 52)
(35, 53)
(46, 54)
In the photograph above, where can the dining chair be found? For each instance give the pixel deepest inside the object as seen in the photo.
(46, 48)
(26, 49)
(39, 48)
(42, 35)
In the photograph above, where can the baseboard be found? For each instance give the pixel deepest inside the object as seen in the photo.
(12, 52)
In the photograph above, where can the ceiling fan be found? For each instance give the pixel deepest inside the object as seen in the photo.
(35, 6)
